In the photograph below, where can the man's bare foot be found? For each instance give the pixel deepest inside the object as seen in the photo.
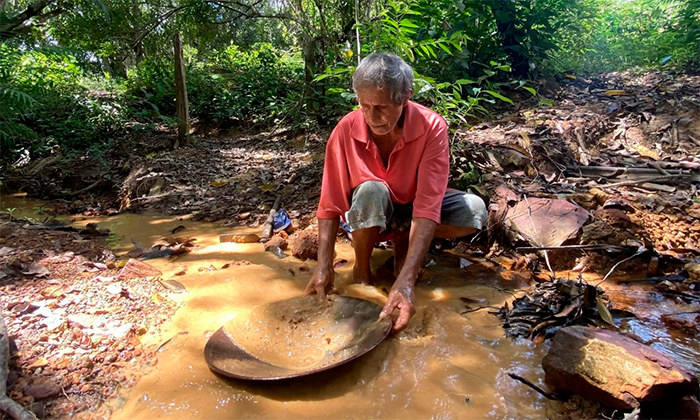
(363, 276)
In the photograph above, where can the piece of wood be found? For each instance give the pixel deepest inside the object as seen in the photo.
(689, 169)
(8, 405)
(239, 238)
(267, 227)
(181, 103)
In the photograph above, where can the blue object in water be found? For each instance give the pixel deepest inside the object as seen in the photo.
(280, 221)
(345, 226)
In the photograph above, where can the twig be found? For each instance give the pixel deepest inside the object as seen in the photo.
(658, 167)
(86, 189)
(590, 247)
(642, 181)
(468, 311)
(533, 386)
(615, 266)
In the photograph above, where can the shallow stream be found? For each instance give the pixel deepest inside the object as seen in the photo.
(445, 365)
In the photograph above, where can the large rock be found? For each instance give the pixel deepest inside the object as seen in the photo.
(305, 245)
(613, 369)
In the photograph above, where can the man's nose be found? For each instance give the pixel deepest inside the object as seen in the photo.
(373, 116)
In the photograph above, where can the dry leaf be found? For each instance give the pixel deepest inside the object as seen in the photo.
(604, 312)
(38, 363)
(614, 92)
(157, 298)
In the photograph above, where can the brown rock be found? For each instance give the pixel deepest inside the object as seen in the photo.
(41, 388)
(613, 369)
(686, 408)
(277, 241)
(5, 230)
(305, 245)
(688, 322)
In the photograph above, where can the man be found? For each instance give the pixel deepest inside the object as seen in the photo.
(386, 172)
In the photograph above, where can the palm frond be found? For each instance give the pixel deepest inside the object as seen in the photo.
(11, 132)
(13, 98)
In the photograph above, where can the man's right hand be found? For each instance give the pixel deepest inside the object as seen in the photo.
(321, 283)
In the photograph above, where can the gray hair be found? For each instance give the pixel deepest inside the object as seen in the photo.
(384, 71)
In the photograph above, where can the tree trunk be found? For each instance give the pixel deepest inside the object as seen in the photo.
(9, 27)
(181, 103)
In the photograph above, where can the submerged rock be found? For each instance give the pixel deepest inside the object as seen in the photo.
(613, 369)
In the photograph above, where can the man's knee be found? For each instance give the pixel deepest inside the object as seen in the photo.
(371, 206)
(464, 210)
(371, 190)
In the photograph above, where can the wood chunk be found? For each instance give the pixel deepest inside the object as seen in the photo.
(239, 238)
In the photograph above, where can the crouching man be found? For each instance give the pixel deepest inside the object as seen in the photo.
(385, 173)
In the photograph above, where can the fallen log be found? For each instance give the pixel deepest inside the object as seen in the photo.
(8, 405)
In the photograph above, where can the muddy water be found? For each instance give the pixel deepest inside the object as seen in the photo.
(443, 366)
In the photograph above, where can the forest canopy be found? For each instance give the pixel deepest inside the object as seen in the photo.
(79, 75)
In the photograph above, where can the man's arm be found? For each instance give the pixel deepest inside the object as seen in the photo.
(402, 294)
(322, 280)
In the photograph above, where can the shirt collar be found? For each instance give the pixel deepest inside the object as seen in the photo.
(413, 125)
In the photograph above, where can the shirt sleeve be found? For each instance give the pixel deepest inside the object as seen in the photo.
(335, 187)
(433, 173)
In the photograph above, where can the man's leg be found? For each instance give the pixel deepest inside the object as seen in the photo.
(370, 209)
(462, 214)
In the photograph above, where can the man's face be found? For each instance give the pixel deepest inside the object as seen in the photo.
(381, 113)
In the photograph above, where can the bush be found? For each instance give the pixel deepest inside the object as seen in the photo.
(255, 86)
(46, 104)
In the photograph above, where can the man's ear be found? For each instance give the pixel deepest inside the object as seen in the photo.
(405, 101)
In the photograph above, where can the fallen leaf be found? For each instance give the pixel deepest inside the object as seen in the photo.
(604, 312)
(178, 229)
(268, 187)
(52, 292)
(40, 362)
(157, 298)
(220, 182)
(173, 285)
(35, 269)
(136, 268)
(615, 92)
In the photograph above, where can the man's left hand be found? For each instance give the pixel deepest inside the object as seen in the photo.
(401, 297)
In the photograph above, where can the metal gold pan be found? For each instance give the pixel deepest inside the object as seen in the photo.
(295, 337)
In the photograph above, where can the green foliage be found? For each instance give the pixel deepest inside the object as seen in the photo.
(45, 104)
(257, 85)
(646, 34)
(79, 75)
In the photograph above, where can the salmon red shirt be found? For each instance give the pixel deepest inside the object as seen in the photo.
(418, 166)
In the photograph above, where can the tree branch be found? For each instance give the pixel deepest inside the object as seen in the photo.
(9, 26)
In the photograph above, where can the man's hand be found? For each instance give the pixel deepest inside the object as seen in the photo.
(401, 297)
(321, 282)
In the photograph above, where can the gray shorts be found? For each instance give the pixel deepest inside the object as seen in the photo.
(371, 206)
